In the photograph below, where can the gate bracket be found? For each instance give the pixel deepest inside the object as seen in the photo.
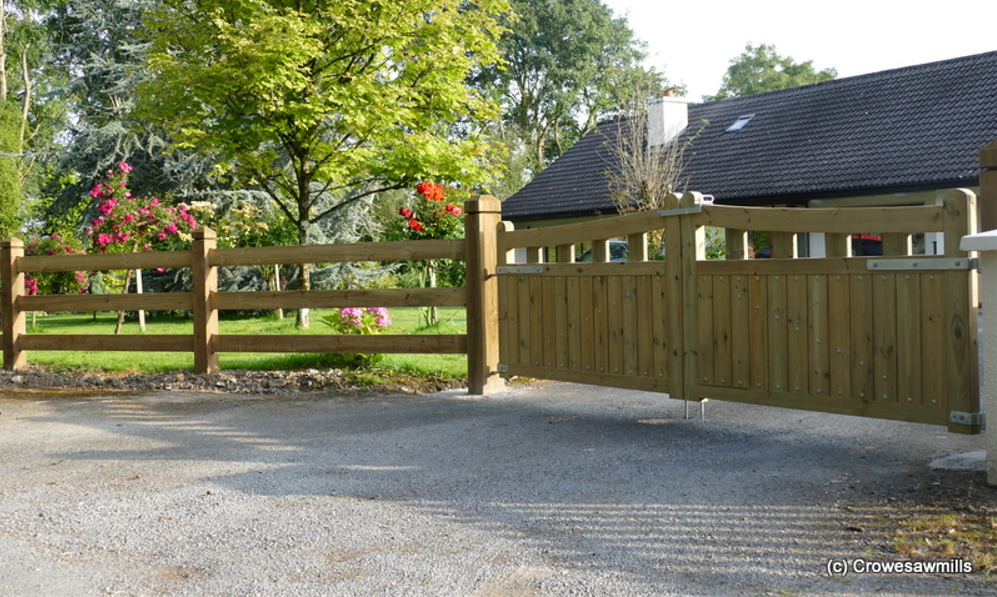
(924, 264)
(964, 418)
(502, 368)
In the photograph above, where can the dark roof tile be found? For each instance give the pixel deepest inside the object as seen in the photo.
(914, 127)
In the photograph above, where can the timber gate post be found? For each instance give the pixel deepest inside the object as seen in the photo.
(14, 322)
(961, 300)
(205, 315)
(484, 214)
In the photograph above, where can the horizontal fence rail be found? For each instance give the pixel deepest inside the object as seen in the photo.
(205, 301)
(890, 336)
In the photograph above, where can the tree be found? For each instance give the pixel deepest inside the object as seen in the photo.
(567, 63)
(101, 43)
(325, 103)
(761, 68)
(32, 115)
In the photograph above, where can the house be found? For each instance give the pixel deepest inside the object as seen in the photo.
(896, 137)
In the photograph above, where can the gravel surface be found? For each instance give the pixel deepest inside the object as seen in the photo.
(556, 489)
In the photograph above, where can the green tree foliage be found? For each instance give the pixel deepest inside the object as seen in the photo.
(324, 103)
(27, 80)
(101, 43)
(10, 180)
(567, 65)
(761, 68)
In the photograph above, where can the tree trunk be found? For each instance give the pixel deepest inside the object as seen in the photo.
(121, 314)
(434, 311)
(303, 320)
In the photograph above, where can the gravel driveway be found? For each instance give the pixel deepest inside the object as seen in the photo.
(556, 489)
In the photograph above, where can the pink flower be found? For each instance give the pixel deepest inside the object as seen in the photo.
(124, 167)
(104, 239)
(456, 210)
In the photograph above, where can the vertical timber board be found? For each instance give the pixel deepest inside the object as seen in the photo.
(614, 324)
(962, 362)
(797, 322)
(508, 328)
(884, 314)
(839, 336)
(600, 320)
(933, 347)
(689, 254)
(508, 301)
(909, 339)
(659, 319)
(645, 313)
(548, 321)
(704, 292)
(759, 326)
(740, 331)
(837, 245)
(561, 321)
(721, 331)
(778, 338)
(524, 316)
(637, 247)
(588, 325)
(897, 245)
(537, 316)
(784, 245)
(630, 326)
(863, 384)
(574, 297)
(674, 278)
(819, 336)
(736, 244)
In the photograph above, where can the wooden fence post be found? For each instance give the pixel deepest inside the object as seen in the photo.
(961, 300)
(205, 315)
(484, 213)
(14, 322)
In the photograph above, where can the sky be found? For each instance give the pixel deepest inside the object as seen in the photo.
(693, 41)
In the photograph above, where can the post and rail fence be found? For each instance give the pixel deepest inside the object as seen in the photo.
(478, 296)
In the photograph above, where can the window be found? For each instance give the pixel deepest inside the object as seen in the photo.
(739, 123)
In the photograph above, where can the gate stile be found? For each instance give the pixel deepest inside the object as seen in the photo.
(889, 337)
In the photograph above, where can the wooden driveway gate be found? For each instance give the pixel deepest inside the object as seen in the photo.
(891, 337)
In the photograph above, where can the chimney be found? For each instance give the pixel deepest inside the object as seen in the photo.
(667, 117)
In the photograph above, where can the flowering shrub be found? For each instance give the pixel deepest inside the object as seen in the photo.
(355, 320)
(55, 282)
(433, 218)
(127, 224)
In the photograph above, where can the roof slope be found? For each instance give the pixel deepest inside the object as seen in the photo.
(915, 127)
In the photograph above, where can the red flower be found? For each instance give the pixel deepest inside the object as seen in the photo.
(405, 212)
(415, 225)
(430, 190)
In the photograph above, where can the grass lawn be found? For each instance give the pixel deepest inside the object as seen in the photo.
(405, 321)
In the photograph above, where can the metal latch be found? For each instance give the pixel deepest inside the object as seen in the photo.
(923, 263)
(520, 269)
(681, 211)
(502, 368)
(973, 419)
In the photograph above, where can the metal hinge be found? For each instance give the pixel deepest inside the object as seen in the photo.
(502, 368)
(520, 269)
(964, 418)
(923, 263)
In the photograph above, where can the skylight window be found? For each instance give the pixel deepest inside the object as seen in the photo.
(740, 123)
